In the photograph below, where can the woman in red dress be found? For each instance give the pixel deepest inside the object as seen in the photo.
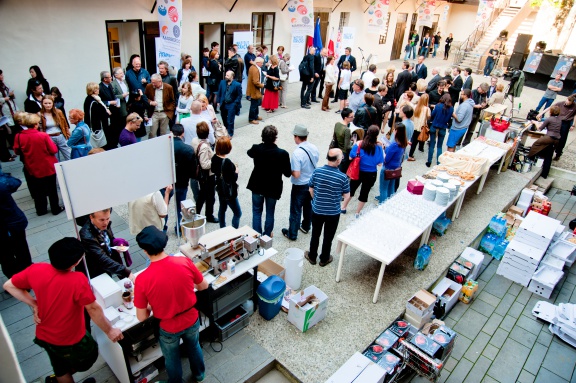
(270, 102)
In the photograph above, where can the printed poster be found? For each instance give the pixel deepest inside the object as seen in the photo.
(485, 8)
(301, 14)
(563, 66)
(170, 24)
(425, 13)
(297, 51)
(376, 16)
(445, 12)
(243, 39)
(348, 36)
(532, 62)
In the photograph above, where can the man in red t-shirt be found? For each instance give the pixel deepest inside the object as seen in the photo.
(61, 297)
(167, 288)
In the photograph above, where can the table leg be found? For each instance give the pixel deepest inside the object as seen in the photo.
(379, 283)
(425, 236)
(342, 247)
(460, 203)
(501, 163)
(482, 180)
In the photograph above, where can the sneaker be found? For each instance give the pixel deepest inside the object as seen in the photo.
(357, 215)
(428, 164)
(212, 219)
(305, 107)
(307, 256)
(329, 261)
(286, 233)
(304, 230)
(338, 111)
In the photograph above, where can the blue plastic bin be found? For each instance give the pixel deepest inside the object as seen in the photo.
(270, 294)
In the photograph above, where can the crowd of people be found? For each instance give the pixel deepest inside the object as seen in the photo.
(383, 122)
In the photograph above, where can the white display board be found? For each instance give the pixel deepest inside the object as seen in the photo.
(297, 53)
(11, 372)
(117, 176)
(243, 39)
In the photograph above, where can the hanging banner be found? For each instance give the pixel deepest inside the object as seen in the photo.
(243, 39)
(339, 48)
(164, 55)
(170, 25)
(348, 36)
(297, 52)
(485, 8)
(532, 62)
(376, 16)
(445, 13)
(301, 14)
(563, 66)
(425, 13)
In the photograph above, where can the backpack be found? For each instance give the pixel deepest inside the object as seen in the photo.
(303, 68)
(225, 190)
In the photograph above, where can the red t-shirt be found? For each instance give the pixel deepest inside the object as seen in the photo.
(61, 297)
(168, 285)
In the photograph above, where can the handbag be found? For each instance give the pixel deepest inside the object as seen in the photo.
(424, 133)
(393, 174)
(283, 76)
(211, 81)
(97, 137)
(199, 174)
(219, 128)
(353, 171)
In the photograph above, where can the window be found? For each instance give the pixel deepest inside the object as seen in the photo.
(382, 39)
(263, 29)
(413, 23)
(344, 19)
(114, 44)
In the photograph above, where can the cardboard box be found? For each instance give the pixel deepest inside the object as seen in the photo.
(308, 308)
(270, 268)
(350, 370)
(416, 320)
(477, 258)
(515, 210)
(421, 303)
(373, 373)
(107, 292)
(458, 273)
(448, 291)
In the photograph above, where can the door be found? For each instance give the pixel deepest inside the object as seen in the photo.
(209, 33)
(124, 40)
(151, 32)
(324, 22)
(397, 45)
(230, 29)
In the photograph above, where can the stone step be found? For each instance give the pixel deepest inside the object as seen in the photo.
(544, 184)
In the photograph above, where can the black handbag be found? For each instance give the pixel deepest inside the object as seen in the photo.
(225, 190)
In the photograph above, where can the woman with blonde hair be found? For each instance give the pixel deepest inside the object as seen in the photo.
(420, 119)
(209, 113)
(184, 101)
(272, 85)
(37, 152)
(53, 122)
(96, 115)
(498, 96)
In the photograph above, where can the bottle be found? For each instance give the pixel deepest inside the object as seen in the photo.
(519, 105)
(231, 267)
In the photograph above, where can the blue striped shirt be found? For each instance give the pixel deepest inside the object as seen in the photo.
(329, 184)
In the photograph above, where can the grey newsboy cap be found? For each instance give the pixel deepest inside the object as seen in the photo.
(300, 130)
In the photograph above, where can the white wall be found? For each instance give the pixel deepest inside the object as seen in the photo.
(128, 33)
(461, 21)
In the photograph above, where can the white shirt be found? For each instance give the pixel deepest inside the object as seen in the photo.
(189, 124)
(367, 78)
(330, 77)
(345, 76)
(159, 100)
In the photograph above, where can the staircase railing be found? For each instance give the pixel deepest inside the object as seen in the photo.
(470, 43)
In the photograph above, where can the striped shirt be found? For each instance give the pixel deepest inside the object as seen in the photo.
(329, 184)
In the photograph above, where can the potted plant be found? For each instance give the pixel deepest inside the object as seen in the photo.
(541, 45)
(503, 33)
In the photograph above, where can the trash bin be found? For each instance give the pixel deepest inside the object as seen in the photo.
(294, 264)
(270, 294)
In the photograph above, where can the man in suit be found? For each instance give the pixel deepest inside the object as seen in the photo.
(403, 81)
(420, 69)
(413, 73)
(433, 83)
(162, 104)
(230, 100)
(467, 81)
(346, 57)
(109, 99)
(253, 90)
(492, 88)
(307, 76)
(425, 45)
(121, 91)
(456, 86)
(320, 62)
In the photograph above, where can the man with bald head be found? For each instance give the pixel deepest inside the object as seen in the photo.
(327, 187)
(190, 123)
(230, 100)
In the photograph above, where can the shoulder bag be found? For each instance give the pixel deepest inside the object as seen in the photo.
(225, 190)
(219, 128)
(393, 174)
(354, 168)
(333, 143)
(97, 137)
(200, 174)
(424, 133)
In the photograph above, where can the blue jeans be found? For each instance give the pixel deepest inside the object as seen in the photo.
(300, 202)
(228, 116)
(544, 102)
(414, 50)
(253, 112)
(407, 55)
(488, 67)
(234, 206)
(387, 187)
(441, 132)
(170, 345)
(435, 50)
(257, 209)
(424, 51)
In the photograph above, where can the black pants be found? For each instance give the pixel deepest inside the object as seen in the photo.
(14, 252)
(42, 188)
(4, 153)
(330, 224)
(446, 51)
(367, 180)
(414, 141)
(320, 85)
(564, 130)
(207, 194)
(546, 154)
(305, 91)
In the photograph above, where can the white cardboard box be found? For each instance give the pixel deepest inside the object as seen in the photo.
(514, 274)
(525, 251)
(373, 373)
(107, 292)
(421, 303)
(416, 320)
(539, 228)
(304, 316)
(451, 289)
(350, 370)
(476, 257)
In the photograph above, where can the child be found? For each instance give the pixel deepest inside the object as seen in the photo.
(407, 49)
(344, 85)
(137, 105)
